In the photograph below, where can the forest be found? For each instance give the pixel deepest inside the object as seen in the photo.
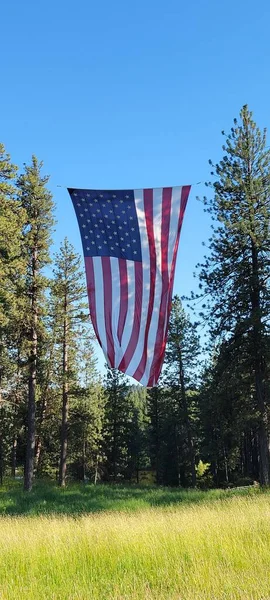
(206, 423)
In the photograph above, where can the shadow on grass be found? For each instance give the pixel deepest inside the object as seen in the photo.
(78, 499)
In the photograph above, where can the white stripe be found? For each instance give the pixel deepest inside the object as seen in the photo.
(157, 222)
(130, 308)
(116, 292)
(139, 203)
(99, 296)
(175, 212)
(174, 218)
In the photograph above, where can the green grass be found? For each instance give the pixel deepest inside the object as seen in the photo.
(132, 543)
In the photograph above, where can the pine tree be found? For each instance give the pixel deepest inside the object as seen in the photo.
(181, 361)
(117, 420)
(235, 274)
(37, 203)
(69, 313)
(12, 264)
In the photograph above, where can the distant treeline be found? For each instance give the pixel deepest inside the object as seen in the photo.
(207, 422)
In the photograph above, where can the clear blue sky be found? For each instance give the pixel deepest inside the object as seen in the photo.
(127, 95)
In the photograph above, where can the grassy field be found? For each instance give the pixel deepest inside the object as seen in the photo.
(130, 543)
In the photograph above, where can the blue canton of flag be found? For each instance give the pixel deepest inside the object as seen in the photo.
(108, 223)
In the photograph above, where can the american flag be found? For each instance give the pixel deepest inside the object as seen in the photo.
(130, 240)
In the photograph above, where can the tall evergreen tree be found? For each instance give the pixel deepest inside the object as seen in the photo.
(181, 361)
(69, 313)
(235, 274)
(37, 203)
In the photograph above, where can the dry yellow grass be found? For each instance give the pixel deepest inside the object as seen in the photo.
(211, 551)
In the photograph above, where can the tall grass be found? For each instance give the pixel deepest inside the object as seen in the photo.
(216, 549)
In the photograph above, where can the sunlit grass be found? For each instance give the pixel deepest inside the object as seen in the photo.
(216, 548)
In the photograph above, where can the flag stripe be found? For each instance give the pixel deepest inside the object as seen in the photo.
(165, 228)
(123, 366)
(139, 202)
(123, 298)
(184, 198)
(116, 301)
(107, 282)
(148, 209)
(89, 270)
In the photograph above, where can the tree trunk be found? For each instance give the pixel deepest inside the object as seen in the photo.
(30, 449)
(65, 404)
(259, 370)
(44, 407)
(187, 422)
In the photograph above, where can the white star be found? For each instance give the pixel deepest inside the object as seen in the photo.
(81, 215)
(108, 226)
(100, 220)
(93, 242)
(120, 227)
(88, 220)
(135, 252)
(87, 248)
(98, 236)
(123, 249)
(131, 218)
(128, 245)
(111, 211)
(86, 209)
(108, 201)
(112, 248)
(106, 216)
(122, 239)
(86, 237)
(126, 233)
(84, 225)
(105, 242)
(98, 209)
(129, 206)
(91, 230)
(88, 195)
(114, 233)
(116, 243)
(116, 205)
(114, 196)
(126, 196)
(103, 205)
(132, 228)
(118, 217)
(121, 201)
(123, 212)
(100, 247)
(94, 214)
(96, 225)
(90, 203)
(110, 237)
(134, 241)
(83, 199)
(78, 204)
(103, 231)
(113, 222)
(75, 194)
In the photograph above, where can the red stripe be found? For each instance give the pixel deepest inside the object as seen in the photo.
(165, 230)
(138, 290)
(184, 199)
(107, 283)
(123, 298)
(90, 278)
(148, 209)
